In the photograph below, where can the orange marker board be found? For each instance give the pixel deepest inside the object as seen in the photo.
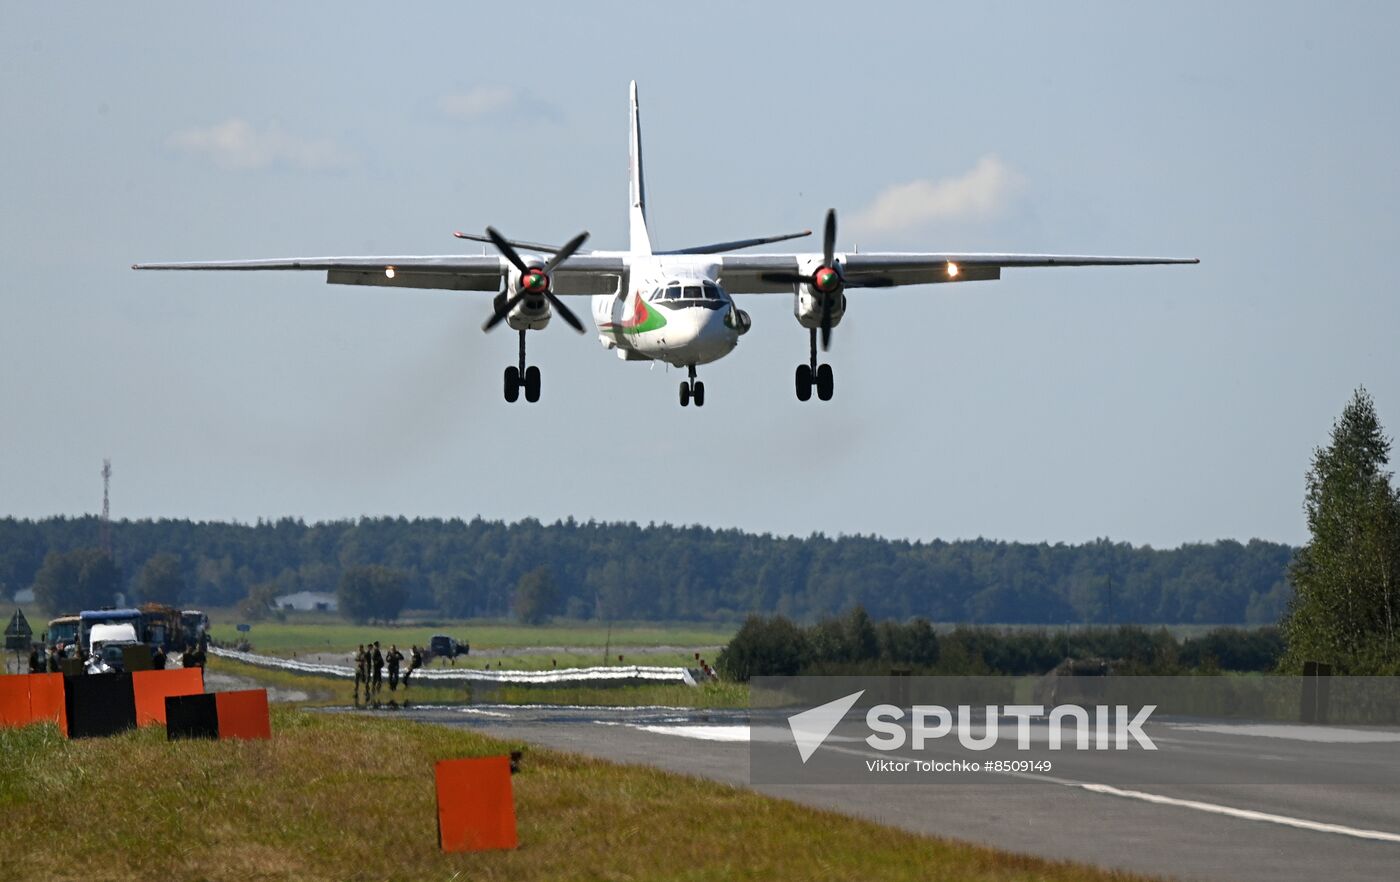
(243, 714)
(14, 700)
(153, 687)
(476, 806)
(32, 698)
(46, 700)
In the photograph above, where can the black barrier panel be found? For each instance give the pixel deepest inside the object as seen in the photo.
(99, 704)
(191, 716)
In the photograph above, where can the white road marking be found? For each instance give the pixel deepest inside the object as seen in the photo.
(1196, 805)
(1319, 734)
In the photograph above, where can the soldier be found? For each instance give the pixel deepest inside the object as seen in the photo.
(36, 666)
(415, 661)
(187, 657)
(158, 658)
(394, 658)
(53, 660)
(360, 674)
(377, 660)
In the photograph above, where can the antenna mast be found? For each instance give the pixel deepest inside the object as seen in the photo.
(106, 522)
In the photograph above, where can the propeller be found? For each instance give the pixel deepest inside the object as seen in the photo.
(533, 280)
(828, 279)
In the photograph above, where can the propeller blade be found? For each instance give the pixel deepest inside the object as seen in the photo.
(500, 315)
(504, 246)
(869, 282)
(829, 238)
(564, 312)
(566, 252)
(826, 324)
(784, 278)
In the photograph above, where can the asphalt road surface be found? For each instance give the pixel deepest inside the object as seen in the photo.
(1333, 813)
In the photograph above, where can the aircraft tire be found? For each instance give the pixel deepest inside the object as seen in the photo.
(804, 382)
(698, 393)
(512, 384)
(826, 382)
(532, 384)
(685, 394)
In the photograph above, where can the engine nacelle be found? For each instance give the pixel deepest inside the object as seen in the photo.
(532, 312)
(739, 320)
(809, 300)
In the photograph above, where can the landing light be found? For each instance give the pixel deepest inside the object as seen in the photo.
(388, 272)
(952, 270)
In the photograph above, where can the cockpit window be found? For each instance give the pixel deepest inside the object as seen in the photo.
(673, 292)
(711, 291)
(692, 292)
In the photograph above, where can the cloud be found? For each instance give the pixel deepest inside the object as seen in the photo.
(480, 102)
(237, 144)
(980, 194)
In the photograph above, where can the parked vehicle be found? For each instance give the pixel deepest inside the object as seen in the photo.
(106, 644)
(89, 618)
(195, 625)
(447, 647)
(162, 626)
(63, 632)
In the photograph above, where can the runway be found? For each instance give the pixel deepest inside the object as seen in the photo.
(1333, 811)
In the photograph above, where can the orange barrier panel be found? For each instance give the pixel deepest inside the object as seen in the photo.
(476, 806)
(14, 700)
(243, 714)
(153, 687)
(47, 700)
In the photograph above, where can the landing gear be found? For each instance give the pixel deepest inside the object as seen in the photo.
(692, 390)
(522, 377)
(813, 374)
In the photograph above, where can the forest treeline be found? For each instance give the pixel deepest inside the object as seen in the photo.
(627, 571)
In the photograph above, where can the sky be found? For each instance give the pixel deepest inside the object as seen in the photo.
(1152, 405)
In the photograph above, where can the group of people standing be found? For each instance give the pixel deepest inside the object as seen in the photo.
(370, 662)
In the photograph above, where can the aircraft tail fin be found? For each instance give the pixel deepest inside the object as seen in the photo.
(637, 211)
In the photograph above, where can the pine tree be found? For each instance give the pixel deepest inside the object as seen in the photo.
(1345, 610)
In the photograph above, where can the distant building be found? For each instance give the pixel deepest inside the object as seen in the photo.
(308, 601)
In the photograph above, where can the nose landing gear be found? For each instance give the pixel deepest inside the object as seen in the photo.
(692, 390)
(814, 375)
(522, 377)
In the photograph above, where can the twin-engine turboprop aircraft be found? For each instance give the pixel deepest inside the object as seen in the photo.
(671, 306)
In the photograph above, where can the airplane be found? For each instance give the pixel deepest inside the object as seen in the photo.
(673, 306)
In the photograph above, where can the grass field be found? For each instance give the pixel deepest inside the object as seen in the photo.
(341, 798)
(334, 635)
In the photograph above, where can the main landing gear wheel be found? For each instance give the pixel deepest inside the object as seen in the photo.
(804, 382)
(692, 390)
(814, 375)
(826, 383)
(522, 377)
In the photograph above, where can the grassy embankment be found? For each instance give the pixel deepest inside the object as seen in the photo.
(510, 646)
(346, 798)
(326, 634)
(336, 691)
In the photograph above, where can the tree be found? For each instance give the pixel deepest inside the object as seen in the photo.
(763, 647)
(536, 596)
(69, 582)
(161, 579)
(1346, 606)
(371, 591)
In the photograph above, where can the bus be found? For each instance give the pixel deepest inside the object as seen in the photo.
(161, 626)
(89, 617)
(196, 626)
(63, 632)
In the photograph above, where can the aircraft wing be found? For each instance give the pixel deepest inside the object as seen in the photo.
(743, 273)
(580, 274)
